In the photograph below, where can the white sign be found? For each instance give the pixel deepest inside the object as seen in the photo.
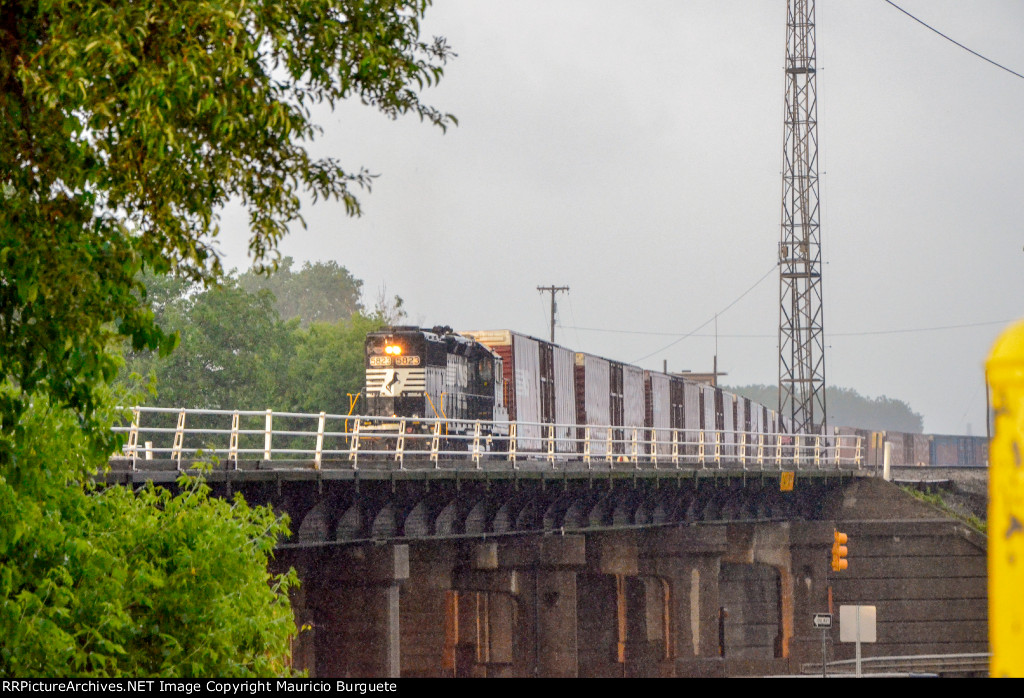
(857, 624)
(822, 620)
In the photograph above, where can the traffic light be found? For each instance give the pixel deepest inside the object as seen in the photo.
(839, 561)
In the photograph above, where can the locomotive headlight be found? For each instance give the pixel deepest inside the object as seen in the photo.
(393, 349)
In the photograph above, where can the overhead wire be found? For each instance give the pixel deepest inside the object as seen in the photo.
(947, 38)
(711, 319)
(762, 336)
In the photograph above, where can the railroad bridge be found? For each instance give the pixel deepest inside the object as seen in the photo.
(681, 562)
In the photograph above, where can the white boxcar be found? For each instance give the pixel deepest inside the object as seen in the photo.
(593, 401)
(633, 412)
(661, 410)
(728, 425)
(540, 381)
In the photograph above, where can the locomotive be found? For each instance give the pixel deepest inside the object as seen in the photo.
(432, 373)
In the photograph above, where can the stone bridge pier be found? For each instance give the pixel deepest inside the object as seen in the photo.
(681, 600)
(627, 572)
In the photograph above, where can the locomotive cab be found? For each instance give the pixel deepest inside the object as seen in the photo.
(418, 373)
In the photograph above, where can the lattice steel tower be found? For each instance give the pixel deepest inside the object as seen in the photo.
(801, 338)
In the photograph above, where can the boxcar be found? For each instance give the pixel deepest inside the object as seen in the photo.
(539, 387)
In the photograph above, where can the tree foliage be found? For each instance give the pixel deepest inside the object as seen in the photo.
(116, 582)
(318, 292)
(848, 408)
(126, 127)
(234, 349)
(237, 352)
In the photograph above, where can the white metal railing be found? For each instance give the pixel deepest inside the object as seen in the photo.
(967, 662)
(245, 435)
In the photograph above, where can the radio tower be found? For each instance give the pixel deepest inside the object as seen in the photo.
(801, 338)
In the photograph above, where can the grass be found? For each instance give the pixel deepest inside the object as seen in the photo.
(935, 499)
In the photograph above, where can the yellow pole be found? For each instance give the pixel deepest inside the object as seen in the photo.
(1005, 375)
(351, 408)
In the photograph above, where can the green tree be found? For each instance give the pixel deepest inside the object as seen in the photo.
(237, 353)
(234, 350)
(328, 365)
(119, 583)
(126, 127)
(319, 292)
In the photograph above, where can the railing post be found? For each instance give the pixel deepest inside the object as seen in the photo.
(512, 445)
(586, 448)
(551, 444)
(319, 439)
(634, 450)
(856, 455)
(760, 451)
(609, 447)
(675, 448)
(267, 433)
(653, 445)
(798, 448)
(435, 445)
(700, 447)
(837, 442)
(400, 445)
(476, 444)
(233, 440)
(179, 438)
(353, 445)
(133, 436)
(743, 450)
(718, 448)
(778, 450)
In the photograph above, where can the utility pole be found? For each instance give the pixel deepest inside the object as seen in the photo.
(553, 290)
(801, 335)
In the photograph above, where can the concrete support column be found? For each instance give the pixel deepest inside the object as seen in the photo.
(612, 610)
(353, 599)
(644, 619)
(810, 544)
(487, 614)
(545, 640)
(557, 638)
(426, 610)
(304, 643)
(688, 560)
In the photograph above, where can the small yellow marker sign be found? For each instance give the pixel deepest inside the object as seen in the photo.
(786, 481)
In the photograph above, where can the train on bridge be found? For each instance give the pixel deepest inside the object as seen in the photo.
(434, 395)
(550, 398)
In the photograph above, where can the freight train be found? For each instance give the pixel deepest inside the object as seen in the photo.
(939, 450)
(551, 394)
(554, 395)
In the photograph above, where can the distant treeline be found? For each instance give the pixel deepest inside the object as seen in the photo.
(289, 342)
(848, 408)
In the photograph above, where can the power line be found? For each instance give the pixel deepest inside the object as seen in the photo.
(763, 336)
(920, 329)
(998, 65)
(709, 320)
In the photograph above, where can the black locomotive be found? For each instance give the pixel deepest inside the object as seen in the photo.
(432, 373)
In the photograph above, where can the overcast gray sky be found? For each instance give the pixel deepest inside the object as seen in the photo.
(632, 151)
